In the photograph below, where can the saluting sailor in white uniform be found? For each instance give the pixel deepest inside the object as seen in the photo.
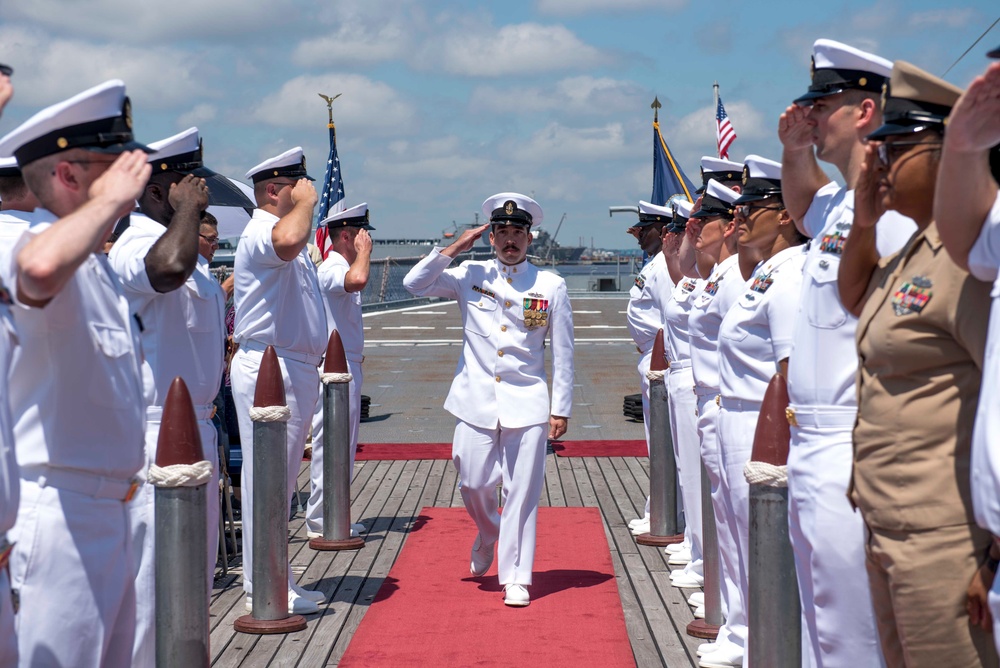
(716, 256)
(727, 173)
(644, 314)
(278, 303)
(683, 409)
(181, 311)
(839, 110)
(499, 396)
(342, 277)
(17, 202)
(755, 338)
(76, 392)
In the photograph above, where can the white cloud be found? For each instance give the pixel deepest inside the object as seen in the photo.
(557, 142)
(574, 95)
(698, 127)
(574, 7)
(434, 160)
(952, 18)
(359, 45)
(200, 113)
(366, 105)
(50, 69)
(523, 48)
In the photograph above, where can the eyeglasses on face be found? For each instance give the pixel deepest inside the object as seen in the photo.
(746, 210)
(212, 240)
(888, 152)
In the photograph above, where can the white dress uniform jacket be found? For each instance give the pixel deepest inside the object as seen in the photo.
(76, 398)
(182, 335)
(500, 378)
(10, 493)
(644, 313)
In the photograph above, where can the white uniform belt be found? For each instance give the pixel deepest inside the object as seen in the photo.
(731, 404)
(677, 365)
(305, 358)
(821, 416)
(81, 482)
(702, 391)
(155, 413)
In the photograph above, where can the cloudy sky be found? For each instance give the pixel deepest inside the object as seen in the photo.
(447, 102)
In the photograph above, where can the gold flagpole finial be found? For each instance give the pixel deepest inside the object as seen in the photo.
(656, 109)
(329, 106)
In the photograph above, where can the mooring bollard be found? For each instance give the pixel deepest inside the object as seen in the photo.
(336, 380)
(270, 506)
(180, 474)
(773, 609)
(708, 628)
(663, 522)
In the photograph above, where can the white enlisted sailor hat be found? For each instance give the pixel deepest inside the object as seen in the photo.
(99, 119)
(356, 216)
(512, 209)
(8, 167)
(761, 179)
(183, 153)
(650, 214)
(837, 67)
(717, 200)
(291, 163)
(720, 170)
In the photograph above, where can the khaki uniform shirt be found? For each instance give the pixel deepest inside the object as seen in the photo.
(921, 339)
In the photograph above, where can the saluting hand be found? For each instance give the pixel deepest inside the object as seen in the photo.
(123, 182)
(468, 239)
(190, 191)
(363, 242)
(867, 203)
(974, 123)
(304, 192)
(6, 91)
(794, 128)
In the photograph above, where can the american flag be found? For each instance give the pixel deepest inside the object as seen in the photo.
(725, 135)
(332, 199)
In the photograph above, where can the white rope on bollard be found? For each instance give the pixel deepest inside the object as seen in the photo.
(762, 473)
(270, 414)
(180, 475)
(655, 375)
(328, 378)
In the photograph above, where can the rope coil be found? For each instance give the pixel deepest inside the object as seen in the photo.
(180, 475)
(270, 414)
(652, 376)
(328, 378)
(762, 473)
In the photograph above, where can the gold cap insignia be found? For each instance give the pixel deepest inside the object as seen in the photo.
(509, 207)
(304, 163)
(127, 113)
(885, 94)
(812, 67)
(746, 174)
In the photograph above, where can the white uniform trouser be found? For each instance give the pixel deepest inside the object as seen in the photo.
(684, 433)
(314, 508)
(734, 630)
(8, 638)
(484, 457)
(643, 367)
(301, 393)
(141, 517)
(828, 537)
(737, 425)
(72, 567)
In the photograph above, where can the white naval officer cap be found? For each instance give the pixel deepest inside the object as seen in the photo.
(356, 216)
(99, 119)
(682, 208)
(761, 179)
(512, 209)
(291, 163)
(650, 214)
(183, 153)
(717, 201)
(720, 170)
(8, 167)
(837, 67)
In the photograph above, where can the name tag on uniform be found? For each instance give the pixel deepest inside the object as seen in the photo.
(912, 296)
(484, 291)
(536, 313)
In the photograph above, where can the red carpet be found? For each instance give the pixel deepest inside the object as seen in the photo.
(404, 451)
(600, 448)
(431, 612)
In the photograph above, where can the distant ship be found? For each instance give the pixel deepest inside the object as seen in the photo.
(544, 248)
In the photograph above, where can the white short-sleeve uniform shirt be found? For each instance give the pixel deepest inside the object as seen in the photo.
(723, 288)
(343, 308)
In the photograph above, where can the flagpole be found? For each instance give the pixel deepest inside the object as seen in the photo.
(715, 90)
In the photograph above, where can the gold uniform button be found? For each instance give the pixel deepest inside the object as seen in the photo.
(503, 328)
(510, 280)
(498, 379)
(500, 353)
(507, 303)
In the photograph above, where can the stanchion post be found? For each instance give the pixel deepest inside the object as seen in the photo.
(708, 628)
(181, 581)
(773, 608)
(663, 524)
(336, 452)
(270, 508)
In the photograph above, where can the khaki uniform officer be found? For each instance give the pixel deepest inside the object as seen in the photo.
(278, 303)
(499, 396)
(342, 277)
(921, 338)
(75, 388)
(644, 314)
(181, 311)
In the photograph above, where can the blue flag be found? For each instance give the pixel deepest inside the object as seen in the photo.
(668, 178)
